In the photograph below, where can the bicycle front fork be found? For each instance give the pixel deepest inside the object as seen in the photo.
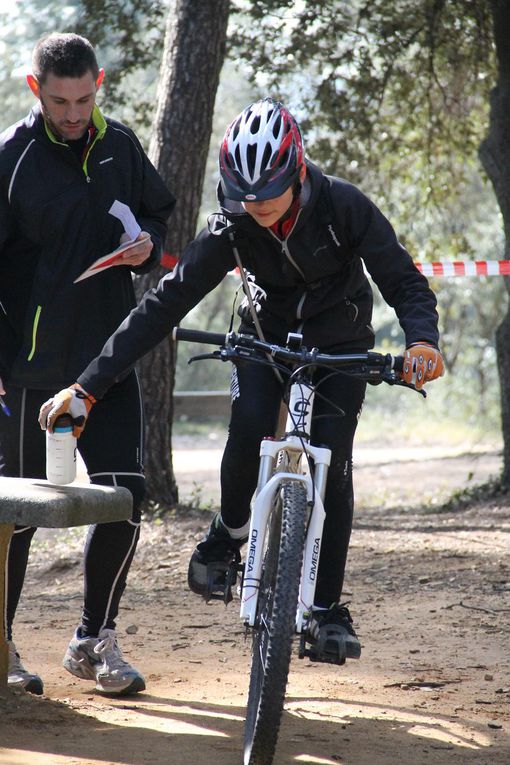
(268, 486)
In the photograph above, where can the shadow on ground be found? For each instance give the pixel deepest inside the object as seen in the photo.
(153, 730)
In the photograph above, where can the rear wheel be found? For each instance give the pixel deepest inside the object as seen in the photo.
(275, 625)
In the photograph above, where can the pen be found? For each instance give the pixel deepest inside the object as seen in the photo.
(4, 407)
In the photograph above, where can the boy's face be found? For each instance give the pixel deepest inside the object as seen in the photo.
(269, 211)
(67, 103)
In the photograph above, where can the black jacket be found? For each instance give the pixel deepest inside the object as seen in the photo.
(54, 223)
(313, 282)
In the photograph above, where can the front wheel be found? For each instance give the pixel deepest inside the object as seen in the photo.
(275, 623)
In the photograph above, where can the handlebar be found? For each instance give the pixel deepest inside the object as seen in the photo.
(200, 336)
(238, 346)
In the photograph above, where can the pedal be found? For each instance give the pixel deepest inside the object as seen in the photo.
(326, 657)
(319, 652)
(310, 630)
(221, 590)
(303, 651)
(322, 650)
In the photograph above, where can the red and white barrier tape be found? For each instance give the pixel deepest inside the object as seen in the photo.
(440, 268)
(465, 268)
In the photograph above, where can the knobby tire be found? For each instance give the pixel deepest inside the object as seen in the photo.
(276, 620)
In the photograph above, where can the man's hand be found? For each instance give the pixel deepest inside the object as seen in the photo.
(422, 363)
(73, 401)
(2, 389)
(137, 255)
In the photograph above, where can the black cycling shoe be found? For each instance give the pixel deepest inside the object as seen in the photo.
(332, 636)
(214, 565)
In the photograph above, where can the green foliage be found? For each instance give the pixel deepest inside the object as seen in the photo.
(128, 37)
(20, 28)
(381, 88)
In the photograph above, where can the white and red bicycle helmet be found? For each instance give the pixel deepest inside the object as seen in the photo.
(262, 153)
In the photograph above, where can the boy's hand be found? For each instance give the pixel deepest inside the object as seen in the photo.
(73, 401)
(422, 363)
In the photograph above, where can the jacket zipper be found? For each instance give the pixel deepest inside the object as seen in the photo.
(85, 168)
(99, 135)
(37, 316)
(286, 252)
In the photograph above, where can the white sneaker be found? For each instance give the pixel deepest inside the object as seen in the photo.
(100, 659)
(18, 676)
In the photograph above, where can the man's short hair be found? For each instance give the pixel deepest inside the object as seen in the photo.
(64, 55)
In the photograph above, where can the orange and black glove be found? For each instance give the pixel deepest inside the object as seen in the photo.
(422, 363)
(73, 401)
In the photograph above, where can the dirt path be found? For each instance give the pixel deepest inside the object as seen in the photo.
(430, 594)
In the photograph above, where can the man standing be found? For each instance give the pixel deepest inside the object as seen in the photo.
(61, 169)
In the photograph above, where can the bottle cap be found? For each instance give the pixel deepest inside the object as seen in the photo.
(63, 424)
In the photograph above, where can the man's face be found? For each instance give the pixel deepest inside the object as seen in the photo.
(67, 104)
(270, 210)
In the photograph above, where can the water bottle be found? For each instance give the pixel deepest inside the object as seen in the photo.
(61, 452)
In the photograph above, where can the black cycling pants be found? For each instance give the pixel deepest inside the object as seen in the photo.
(112, 449)
(256, 396)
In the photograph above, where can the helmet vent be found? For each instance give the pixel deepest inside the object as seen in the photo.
(267, 156)
(284, 158)
(262, 152)
(251, 156)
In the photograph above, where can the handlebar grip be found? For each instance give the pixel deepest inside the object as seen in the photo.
(198, 336)
(398, 363)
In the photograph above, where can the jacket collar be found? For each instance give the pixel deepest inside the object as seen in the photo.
(97, 119)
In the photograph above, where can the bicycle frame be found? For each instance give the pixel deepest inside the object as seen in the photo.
(294, 449)
(279, 578)
(294, 446)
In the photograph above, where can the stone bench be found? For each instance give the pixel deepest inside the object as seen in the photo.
(34, 502)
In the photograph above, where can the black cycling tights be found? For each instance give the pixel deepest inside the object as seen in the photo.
(111, 447)
(256, 396)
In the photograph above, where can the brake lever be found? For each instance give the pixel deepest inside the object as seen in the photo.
(390, 377)
(403, 384)
(215, 355)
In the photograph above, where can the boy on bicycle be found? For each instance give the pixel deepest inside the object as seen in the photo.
(303, 238)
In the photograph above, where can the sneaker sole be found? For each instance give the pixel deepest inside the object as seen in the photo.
(34, 686)
(137, 685)
(81, 670)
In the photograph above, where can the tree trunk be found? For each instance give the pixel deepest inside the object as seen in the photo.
(495, 157)
(193, 55)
